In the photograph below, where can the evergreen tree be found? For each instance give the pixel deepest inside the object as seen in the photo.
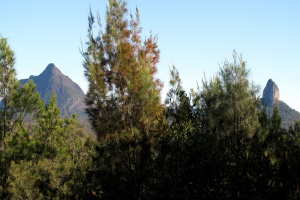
(60, 159)
(122, 100)
(7, 86)
(230, 109)
(18, 104)
(179, 166)
(8, 82)
(282, 151)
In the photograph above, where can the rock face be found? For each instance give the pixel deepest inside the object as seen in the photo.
(271, 99)
(70, 97)
(271, 94)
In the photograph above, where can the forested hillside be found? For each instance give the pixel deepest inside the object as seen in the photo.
(210, 143)
(288, 115)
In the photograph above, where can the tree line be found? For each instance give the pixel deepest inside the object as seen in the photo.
(210, 143)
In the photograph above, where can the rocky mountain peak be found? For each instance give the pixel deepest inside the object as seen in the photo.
(51, 70)
(70, 97)
(271, 94)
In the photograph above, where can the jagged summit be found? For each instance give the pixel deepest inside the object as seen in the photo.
(70, 97)
(271, 94)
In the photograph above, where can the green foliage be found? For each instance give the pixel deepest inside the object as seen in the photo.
(230, 107)
(177, 172)
(120, 70)
(8, 85)
(217, 145)
(288, 115)
(42, 156)
(122, 101)
(7, 71)
(213, 143)
(59, 161)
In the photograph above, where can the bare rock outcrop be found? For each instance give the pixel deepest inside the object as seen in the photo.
(271, 94)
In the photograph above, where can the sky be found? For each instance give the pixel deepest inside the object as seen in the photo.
(196, 36)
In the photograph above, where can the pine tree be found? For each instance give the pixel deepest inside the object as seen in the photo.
(282, 150)
(18, 104)
(59, 162)
(7, 86)
(177, 171)
(123, 98)
(230, 105)
(120, 70)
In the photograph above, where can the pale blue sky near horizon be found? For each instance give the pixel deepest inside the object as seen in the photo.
(196, 36)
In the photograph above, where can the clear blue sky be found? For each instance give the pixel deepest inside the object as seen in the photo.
(194, 35)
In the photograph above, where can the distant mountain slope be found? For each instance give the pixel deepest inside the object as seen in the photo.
(70, 97)
(288, 115)
(271, 99)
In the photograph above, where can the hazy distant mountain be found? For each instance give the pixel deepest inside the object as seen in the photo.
(271, 99)
(70, 97)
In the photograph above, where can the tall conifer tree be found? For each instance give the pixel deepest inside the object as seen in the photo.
(16, 103)
(123, 98)
(230, 105)
(7, 81)
(7, 86)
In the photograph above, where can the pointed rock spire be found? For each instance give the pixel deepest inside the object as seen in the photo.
(271, 94)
